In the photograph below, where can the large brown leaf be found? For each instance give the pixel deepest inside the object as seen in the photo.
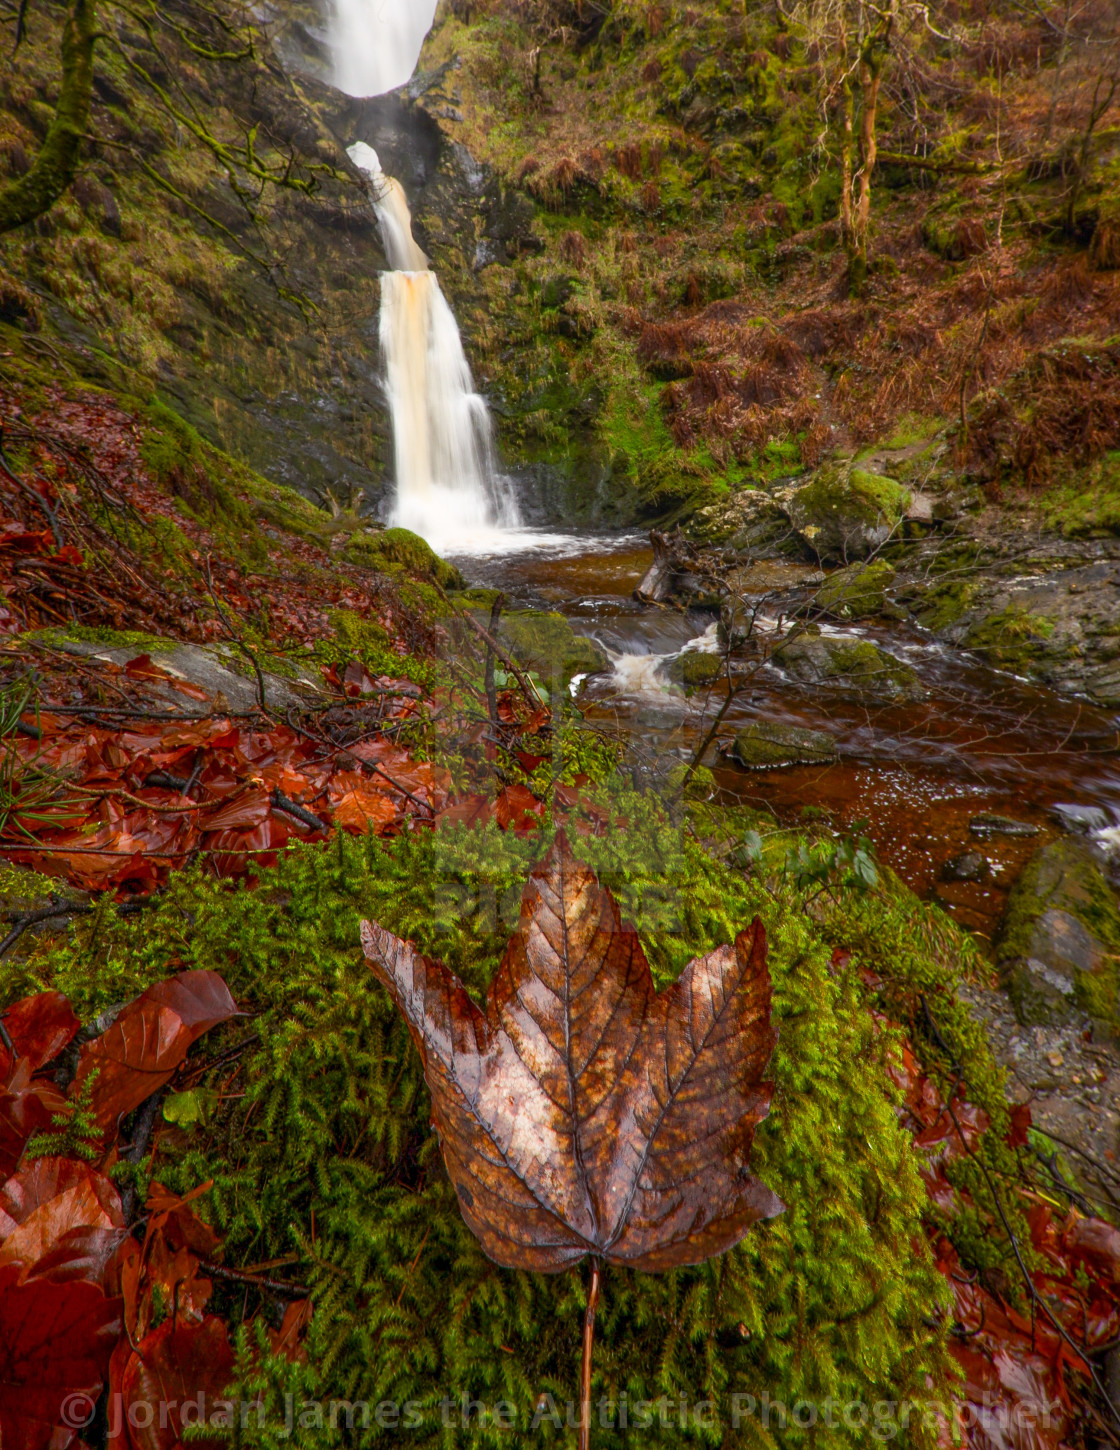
(583, 1112)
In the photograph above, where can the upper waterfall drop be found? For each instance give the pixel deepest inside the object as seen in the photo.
(376, 43)
(448, 489)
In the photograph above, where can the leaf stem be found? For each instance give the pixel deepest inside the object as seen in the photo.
(585, 1367)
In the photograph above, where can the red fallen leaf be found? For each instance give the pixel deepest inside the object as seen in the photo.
(70, 554)
(47, 1200)
(1096, 1244)
(356, 681)
(1020, 1125)
(55, 1341)
(331, 675)
(286, 1339)
(178, 1371)
(518, 809)
(529, 763)
(472, 810)
(148, 1041)
(246, 812)
(26, 1107)
(362, 805)
(40, 1027)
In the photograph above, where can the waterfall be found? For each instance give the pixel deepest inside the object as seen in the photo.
(376, 43)
(448, 489)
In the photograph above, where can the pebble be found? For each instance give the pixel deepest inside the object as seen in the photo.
(1055, 1059)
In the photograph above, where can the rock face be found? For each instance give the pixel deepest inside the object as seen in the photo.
(855, 665)
(547, 644)
(762, 747)
(857, 592)
(845, 513)
(1060, 945)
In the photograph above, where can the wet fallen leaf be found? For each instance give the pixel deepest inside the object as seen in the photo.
(151, 1037)
(583, 1113)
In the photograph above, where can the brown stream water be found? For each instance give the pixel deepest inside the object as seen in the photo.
(981, 742)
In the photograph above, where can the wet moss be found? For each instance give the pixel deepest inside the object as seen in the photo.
(547, 644)
(857, 592)
(1012, 639)
(394, 550)
(695, 668)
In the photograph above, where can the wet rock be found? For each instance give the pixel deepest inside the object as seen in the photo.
(986, 825)
(846, 513)
(747, 522)
(966, 866)
(1058, 947)
(856, 665)
(682, 572)
(1084, 819)
(547, 644)
(857, 592)
(695, 668)
(761, 746)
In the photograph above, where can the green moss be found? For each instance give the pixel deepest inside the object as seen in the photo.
(761, 746)
(1011, 639)
(857, 592)
(837, 1296)
(400, 549)
(696, 668)
(547, 644)
(367, 641)
(1063, 882)
(142, 643)
(1088, 505)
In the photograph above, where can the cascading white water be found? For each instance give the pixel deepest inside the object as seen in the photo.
(448, 489)
(376, 43)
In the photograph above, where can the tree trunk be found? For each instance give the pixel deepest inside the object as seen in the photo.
(847, 225)
(54, 167)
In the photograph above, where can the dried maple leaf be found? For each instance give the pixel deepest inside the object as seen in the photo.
(584, 1113)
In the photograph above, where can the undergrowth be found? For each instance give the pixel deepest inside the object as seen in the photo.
(320, 1153)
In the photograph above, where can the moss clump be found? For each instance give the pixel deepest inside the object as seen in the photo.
(547, 644)
(857, 592)
(695, 668)
(183, 462)
(1011, 639)
(761, 746)
(1060, 942)
(368, 641)
(1090, 504)
(395, 550)
(846, 513)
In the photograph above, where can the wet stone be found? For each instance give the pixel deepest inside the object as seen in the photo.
(966, 866)
(987, 825)
(761, 746)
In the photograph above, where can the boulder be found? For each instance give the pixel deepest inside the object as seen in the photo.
(695, 668)
(845, 513)
(1059, 947)
(547, 644)
(857, 592)
(966, 866)
(852, 664)
(762, 746)
(988, 824)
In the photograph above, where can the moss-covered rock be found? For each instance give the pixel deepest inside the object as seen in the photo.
(401, 549)
(547, 644)
(846, 513)
(1059, 948)
(761, 746)
(695, 668)
(853, 664)
(1012, 638)
(857, 592)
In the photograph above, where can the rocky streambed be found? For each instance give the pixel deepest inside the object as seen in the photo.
(901, 671)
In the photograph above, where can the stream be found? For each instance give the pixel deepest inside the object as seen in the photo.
(916, 777)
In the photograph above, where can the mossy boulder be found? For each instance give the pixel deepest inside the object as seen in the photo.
(846, 513)
(401, 549)
(547, 644)
(1059, 948)
(1012, 638)
(855, 665)
(695, 668)
(761, 746)
(858, 591)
